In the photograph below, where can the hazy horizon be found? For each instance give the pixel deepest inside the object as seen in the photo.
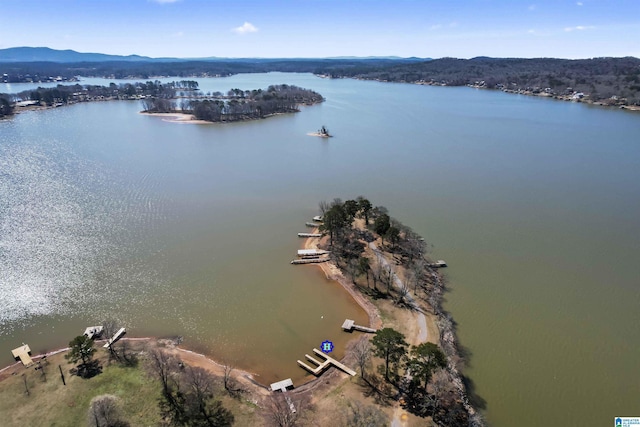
(329, 28)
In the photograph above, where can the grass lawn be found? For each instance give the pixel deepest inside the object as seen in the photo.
(50, 403)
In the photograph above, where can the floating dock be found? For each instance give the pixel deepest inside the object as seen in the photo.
(311, 252)
(349, 325)
(310, 260)
(438, 264)
(318, 218)
(312, 224)
(322, 366)
(24, 354)
(115, 337)
(309, 234)
(93, 331)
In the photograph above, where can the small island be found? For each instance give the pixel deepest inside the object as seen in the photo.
(181, 100)
(323, 132)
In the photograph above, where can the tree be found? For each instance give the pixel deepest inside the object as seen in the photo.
(6, 109)
(81, 348)
(425, 359)
(391, 346)
(381, 225)
(360, 415)
(230, 384)
(365, 207)
(364, 267)
(362, 352)
(324, 206)
(334, 220)
(200, 406)
(164, 367)
(105, 411)
(188, 394)
(351, 209)
(393, 235)
(278, 409)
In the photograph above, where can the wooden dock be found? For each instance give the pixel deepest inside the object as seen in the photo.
(93, 331)
(322, 366)
(115, 337)
(24, 354)
(282, 385)
(311, 252)
(312, 224)
(309, 235)
(438, 264)
(349, 325)
(318, 218)
(309, 260)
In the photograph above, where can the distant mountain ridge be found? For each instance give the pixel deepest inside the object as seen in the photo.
(46, 54)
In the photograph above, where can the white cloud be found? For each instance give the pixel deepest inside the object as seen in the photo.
(435, 27)
(178, 34)
(531, 31)
(579, 28)
(245, 28)
(579, 3)
(532, 7)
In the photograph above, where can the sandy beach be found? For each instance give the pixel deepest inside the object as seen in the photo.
(177, 118)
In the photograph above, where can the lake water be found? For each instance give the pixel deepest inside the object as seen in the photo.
(179, 229)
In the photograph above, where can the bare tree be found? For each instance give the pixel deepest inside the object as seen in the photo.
(105, 411)
(109, 328)
(362, 352)
(403, 292)
(324, 206)
(164, 367)
(360, 415)
(279, 412)
(230, 383)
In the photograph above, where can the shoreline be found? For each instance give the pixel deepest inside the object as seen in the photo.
(183, 118)
(599, 103)
(443, 325)
(318, 388)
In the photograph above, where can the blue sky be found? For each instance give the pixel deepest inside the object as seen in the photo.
(322, 28)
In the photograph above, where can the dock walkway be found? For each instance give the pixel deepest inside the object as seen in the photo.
(349, 325)
(309, 260)
(322, 366)
(307, 235)
(115, 337)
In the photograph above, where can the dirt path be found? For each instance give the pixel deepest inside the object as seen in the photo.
(419, 315)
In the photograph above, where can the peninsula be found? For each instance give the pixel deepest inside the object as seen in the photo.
(406, 362)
